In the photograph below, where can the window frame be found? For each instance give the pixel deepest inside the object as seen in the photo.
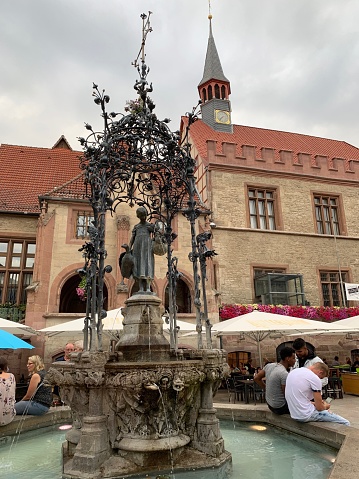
(88, 216)
(274, 201)
(71, 228)
(16, 278)
(337, 226)
(344, 274)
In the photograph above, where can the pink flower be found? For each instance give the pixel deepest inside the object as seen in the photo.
(323, 313)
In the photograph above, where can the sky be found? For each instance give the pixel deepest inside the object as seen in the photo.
(293, 64)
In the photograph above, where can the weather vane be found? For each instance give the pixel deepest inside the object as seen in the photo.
(209, 10)
(146, 29)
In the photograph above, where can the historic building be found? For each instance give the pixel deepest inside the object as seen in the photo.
(43, 224)
(283, 206)
(283, 218)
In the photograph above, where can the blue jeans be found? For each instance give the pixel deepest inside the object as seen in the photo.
(30, 407)
(326, 416)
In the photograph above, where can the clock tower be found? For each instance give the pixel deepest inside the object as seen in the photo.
(214, 90)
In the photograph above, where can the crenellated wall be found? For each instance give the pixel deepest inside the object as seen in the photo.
(284, 161)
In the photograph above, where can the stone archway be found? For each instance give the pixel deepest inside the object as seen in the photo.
(69, 300)
(183, 297)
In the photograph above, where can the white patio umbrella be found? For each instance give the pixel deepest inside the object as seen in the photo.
(112, 323)
(348, 323)
(16, 328)
(341, 326)
(259, 325)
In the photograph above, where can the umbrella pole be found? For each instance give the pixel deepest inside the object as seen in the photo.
(259, 353)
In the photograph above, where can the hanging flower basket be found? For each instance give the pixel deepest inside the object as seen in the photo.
(81, 289)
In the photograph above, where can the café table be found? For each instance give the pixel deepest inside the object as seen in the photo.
(249, 386)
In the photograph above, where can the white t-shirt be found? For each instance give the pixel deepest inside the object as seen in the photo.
(310, 362)
(300, 385)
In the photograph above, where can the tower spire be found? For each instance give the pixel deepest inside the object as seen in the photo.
(214, 88)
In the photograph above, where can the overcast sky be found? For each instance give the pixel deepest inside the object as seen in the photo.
(293, 64)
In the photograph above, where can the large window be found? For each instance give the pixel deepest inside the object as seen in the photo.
(262, 208)
(327, 214)
(83, 221)
(332, 291)
(236, 357)
(16, 269)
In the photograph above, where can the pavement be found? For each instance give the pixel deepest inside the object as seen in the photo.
(347, 407)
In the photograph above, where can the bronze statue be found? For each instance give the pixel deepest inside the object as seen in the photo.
(142, 251)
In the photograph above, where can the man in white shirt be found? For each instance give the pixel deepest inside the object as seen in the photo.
(304, 398)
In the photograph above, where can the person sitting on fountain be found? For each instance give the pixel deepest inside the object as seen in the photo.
(38, 397)
(143, 258)
(7, 393)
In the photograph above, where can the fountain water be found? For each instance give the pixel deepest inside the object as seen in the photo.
(145, 406)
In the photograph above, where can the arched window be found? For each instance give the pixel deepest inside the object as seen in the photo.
(216, 91)
(223, 92)
(204, 94)
(210, 94)
(183, 298)
(70, 301)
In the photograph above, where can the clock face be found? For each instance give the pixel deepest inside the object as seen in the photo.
(222, 116)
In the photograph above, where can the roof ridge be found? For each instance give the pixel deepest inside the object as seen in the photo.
(40, 147)
(57, 189)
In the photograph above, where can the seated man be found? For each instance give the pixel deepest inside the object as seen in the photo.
(303, 395)
(276, 376)
(305, 357)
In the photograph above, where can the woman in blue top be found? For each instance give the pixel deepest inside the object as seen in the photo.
(38, 397)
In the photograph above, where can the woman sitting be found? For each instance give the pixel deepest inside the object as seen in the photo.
(7, 394)
(38, 397)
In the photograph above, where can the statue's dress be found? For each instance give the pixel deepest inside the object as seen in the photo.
(143, 260)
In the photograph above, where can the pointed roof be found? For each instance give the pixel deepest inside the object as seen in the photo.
(212, 67)
(62, 143)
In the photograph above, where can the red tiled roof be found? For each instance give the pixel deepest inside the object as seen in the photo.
(27, 172)
(75, 189)
(263, 138)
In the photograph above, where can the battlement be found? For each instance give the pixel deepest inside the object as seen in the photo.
(285, 161)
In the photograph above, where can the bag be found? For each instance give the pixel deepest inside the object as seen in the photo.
(159, 248)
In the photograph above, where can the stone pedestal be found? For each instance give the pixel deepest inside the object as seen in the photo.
(136, 417)
(93, 448)
(143, 338)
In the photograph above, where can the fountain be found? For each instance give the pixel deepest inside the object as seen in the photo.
(145, 405)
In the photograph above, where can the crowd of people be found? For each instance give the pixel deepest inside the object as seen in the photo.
(39, 395)
(294, 385)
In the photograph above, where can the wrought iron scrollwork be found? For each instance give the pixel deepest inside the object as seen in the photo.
(137, 160)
